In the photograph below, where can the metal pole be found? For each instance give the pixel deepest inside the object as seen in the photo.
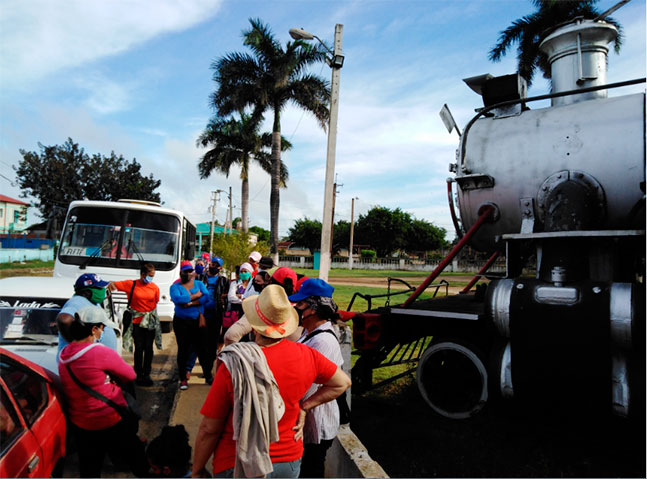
(483, 217)
(478, 275)
(326, 223)
(231, 212)
(352, 230)
(213, 219)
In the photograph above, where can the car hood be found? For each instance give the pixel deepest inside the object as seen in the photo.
(42, 354)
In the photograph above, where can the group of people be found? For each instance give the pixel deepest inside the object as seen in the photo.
(270, 410)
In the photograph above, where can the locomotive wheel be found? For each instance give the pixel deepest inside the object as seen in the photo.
(452, 379)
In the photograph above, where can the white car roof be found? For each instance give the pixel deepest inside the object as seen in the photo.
(37, 286)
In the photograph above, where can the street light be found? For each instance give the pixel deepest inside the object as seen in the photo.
(335, 61)
(352, 230)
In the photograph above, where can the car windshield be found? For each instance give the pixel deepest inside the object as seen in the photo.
(29, 319)
(120, 238)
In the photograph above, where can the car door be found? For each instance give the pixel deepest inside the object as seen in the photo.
(20, 454)
(29, 394)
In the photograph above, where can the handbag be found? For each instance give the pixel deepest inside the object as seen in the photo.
(229, 318)
(131, 413)
(127, 316)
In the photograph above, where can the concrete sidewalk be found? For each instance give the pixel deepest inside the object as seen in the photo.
(346, 458)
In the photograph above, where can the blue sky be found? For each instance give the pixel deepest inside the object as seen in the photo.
(133, 77)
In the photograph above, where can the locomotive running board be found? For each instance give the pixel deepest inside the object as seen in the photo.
(435, 314)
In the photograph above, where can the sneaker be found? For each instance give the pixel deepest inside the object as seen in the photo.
(184, 385)
(209, 381)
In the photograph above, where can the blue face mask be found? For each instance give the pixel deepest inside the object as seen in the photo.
(100, 338)
(148, 279)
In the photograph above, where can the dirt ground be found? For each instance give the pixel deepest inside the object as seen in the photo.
(407, 440)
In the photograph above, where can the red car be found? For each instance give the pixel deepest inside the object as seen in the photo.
(32, 423)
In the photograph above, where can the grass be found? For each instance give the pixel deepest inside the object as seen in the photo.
(27, 265)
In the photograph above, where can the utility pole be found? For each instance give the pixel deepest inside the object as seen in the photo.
(214, 202)
(231, 212)
(332, 220)
(324, 265)
(352, 231)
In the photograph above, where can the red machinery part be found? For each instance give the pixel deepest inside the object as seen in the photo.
(367, 329)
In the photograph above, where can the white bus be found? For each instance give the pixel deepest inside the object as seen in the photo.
(113, 239)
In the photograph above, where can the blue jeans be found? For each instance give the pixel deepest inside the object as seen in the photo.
(281, 469)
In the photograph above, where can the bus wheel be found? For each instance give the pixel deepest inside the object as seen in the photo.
(453, 379)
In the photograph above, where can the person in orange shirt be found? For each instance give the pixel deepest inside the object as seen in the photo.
(143, 295)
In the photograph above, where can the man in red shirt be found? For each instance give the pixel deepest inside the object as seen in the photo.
(294, 367)
(143, 295)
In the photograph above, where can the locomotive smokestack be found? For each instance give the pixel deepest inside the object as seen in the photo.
(577, 54)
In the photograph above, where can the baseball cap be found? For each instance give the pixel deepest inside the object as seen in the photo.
(312, 287)
(266, 262)
(186, 266)
(94, 315)
(255, 256)
(89, 280)
(218, 260)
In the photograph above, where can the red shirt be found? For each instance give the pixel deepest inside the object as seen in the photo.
(295, 367)
(145, 296)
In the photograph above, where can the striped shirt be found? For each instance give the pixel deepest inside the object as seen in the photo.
(322, 422)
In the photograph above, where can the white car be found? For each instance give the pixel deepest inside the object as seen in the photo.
(28, 310)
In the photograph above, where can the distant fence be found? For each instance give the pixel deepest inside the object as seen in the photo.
(11, 255)
(401, 264)
(26, 243)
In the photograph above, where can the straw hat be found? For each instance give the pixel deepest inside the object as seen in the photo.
(270, 313)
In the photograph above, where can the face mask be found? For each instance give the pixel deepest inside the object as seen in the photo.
(98, 295)
(300, 313)
(258, 287)
(245, 276)
(185, 277)
(100, 338)
(199, 268)
(214, 271)
(148, 279)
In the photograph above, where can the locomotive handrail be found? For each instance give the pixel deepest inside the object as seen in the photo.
(452, 210)
(537, 98)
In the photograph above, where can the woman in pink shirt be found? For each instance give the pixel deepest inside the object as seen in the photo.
(99, 427)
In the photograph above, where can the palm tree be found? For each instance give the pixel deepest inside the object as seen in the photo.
(269, 79)
(529, 31)
(233, 142)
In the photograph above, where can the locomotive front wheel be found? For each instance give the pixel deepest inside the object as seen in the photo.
(452, 379)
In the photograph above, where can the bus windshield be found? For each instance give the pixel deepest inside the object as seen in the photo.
(120, 238)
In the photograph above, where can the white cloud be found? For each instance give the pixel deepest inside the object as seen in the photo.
(39, 37)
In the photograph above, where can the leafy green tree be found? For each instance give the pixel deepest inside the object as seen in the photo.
(236, 142)
(529, 31)
(424, 236)
(307, 233)
(341, 236)
(59, 174)
(261, 233)
(269, 79)
(235, 249)
(384, 229)
(387, 231)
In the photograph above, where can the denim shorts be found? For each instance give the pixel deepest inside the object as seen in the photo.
(281, 469)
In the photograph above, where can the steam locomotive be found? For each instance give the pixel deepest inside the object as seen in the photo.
(560, 192)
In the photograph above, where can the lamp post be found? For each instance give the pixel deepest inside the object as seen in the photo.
(352, 231)
(335, 61)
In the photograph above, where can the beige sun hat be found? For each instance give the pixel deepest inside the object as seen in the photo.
(271, 313)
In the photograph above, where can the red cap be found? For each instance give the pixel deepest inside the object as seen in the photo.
(282, 273)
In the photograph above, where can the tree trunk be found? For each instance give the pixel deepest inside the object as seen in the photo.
(276, 181)
(244, 201)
